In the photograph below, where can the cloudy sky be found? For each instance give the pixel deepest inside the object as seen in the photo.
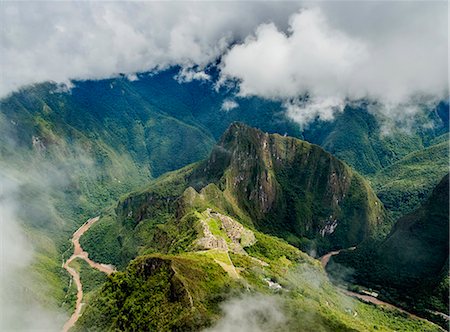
(333, 51)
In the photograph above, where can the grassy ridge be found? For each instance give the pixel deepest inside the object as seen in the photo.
(184, 292)
(159, 293)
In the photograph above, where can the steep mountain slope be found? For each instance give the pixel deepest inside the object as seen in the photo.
(358, 136)
(293, 189)
(411, 263)
(275, 184)
(201, 248)
(403, 185)
(106, 118)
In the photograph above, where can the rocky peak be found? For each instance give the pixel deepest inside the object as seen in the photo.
(291, 186)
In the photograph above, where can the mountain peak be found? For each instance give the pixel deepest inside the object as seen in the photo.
(238, 130)
(292, 188)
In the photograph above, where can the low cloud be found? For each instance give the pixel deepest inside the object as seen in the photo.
(189, 74)
(63, 41)
(256, 313)
(19, 310)
(315, 67)
(311, 56)
(229, 104)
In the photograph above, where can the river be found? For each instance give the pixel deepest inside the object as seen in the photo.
(78, 252)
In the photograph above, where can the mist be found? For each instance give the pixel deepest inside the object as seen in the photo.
(35, 222)
(251, 313)
(301, 303)
(311, 56)
(19, 308)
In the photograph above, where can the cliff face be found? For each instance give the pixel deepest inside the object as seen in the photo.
(418, 245)
(292, 188)
(278, 185)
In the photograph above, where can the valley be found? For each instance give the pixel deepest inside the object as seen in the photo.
(395, 265)
(266, 182)
(150, 185)
(217, 166)
(79, 253)
(366, 297)
(210, 225)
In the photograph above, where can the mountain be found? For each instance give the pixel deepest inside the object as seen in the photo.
(411, 263)
(127, 132)
(278, 185)
(403, 185)
(370, 142)
(74, 151)
(293, 189)
(198, 243)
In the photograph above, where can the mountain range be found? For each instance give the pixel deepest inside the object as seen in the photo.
(211, 231)
(208, 204)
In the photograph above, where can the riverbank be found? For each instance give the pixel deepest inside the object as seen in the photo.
(78, 252)
(325, 259)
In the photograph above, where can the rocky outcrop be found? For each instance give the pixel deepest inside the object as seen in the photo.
(293, 188)
(38, 144)
(233, 236)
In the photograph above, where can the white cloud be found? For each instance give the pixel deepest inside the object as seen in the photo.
(384, 50)
(253, 313)
(60, 41)
(333, 63)
(190, 74)
(310, 58)
(229, 104)
(132, 77)
(304, 112)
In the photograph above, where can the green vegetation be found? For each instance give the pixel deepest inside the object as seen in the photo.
(293, 189)
(72, 154)
(75, 153)
(286, 187)
(409, 266)
(178, 287)
(404, 185)
(184, 292)
(91, 278)
(370, 143)
(158, 293)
